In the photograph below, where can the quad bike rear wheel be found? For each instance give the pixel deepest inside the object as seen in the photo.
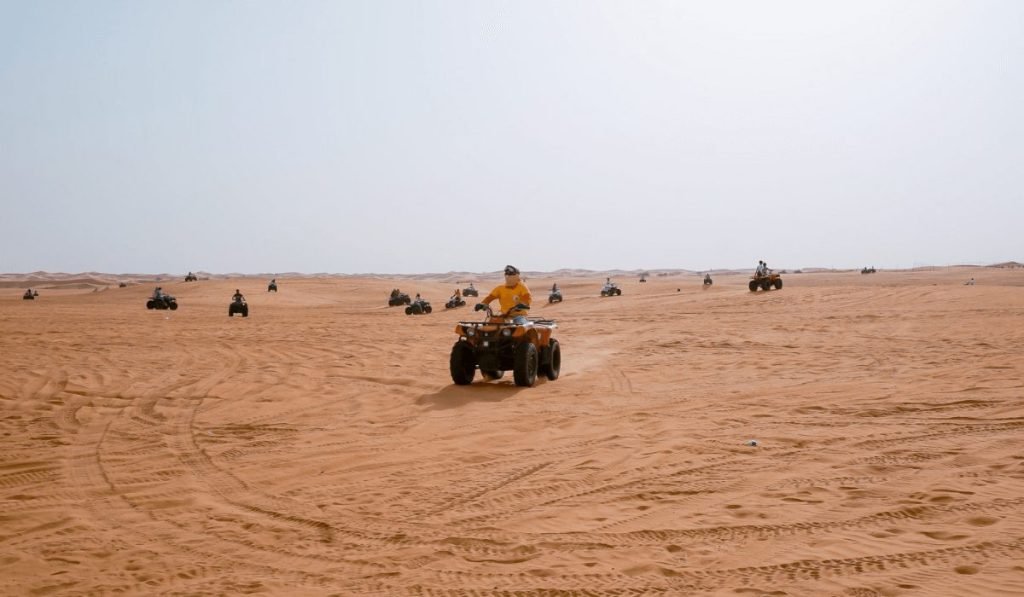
(766, 285)
(525, 365)
(428, 309)
(462, 363)
(553, 360)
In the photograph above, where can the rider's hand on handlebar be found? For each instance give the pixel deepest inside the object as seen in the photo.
(480, 307)
(521, 307)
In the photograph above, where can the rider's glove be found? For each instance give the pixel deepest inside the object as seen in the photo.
(521, 307)
(480, 307)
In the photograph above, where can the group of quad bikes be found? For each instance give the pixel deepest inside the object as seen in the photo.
(161, 301)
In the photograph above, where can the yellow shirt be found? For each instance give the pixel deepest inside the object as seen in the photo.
(509, 297)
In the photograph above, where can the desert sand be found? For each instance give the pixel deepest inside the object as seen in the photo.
(319, 446)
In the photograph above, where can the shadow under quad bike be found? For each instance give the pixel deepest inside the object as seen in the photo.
(499, 343)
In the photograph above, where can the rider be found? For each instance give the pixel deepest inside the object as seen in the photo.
(158, 293)
(456, 295)
(28, 292)
(707, 278)
(511, 294)
(554, 287)
(237, 296)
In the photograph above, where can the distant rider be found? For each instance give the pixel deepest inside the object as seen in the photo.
(707, 278)
(237, 296)
(554, 288)
(513, 293)
(158, 293)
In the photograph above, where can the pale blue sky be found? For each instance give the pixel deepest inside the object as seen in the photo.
(402, 137)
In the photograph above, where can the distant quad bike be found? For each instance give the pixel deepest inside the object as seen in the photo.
(272, 287)
(399, 299)
(164, 301)
(611, 289)
(30, 295)
(191, 277)
(555, 296)
(239, 306)
(868, 270)
(470, 291)
(496, 345)
(122, 285)
(707, 280)
(418, 308)
(454, 302)
(765, 282)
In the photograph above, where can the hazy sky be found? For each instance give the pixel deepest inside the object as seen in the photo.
(403, 137)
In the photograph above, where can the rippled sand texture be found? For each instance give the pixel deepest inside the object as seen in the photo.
(319, 446)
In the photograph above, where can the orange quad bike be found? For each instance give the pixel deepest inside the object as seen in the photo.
(765, 281)
(499, 344)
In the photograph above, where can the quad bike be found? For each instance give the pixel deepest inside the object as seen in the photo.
(191, 277)
(765, 281)
(643, 279)
(164, 301)
(555, 296)
(399, 299)
(454, 302)
(122, 285)
(238, 305)
(611, 289)
(470, 291)
(418, 307)
(272, 287)
(497, 344)
(868, 270)
(30, 295)
(707, 280)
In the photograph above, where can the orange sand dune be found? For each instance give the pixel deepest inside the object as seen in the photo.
(319, 447)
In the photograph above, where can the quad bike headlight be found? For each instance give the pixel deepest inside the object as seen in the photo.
(469, 331)
(506, 332)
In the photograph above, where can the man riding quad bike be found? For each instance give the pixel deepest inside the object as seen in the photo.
(470, 291)
(418, 306)
(556, 295)
(272, 287)
(455, 300)
(159, 300)
(707, 280)
(507, 340)
(398, 298)
(610, 288)
(238, 305)
(190, 277)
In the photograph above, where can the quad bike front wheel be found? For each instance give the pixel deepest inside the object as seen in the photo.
(462, 363)
(173, 306)
(525, 365)
(778, 284)
(150, 305)
(408, 310)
